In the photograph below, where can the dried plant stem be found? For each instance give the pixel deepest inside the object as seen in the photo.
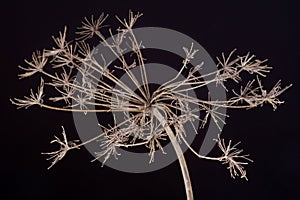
(179, 153)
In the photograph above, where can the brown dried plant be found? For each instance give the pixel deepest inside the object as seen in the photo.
(153, 118)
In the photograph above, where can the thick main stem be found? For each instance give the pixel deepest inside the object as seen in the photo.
(179, 153)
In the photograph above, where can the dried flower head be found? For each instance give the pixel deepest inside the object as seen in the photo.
(234, 158)
(150, 117)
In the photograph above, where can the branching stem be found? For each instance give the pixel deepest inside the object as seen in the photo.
(179, 153)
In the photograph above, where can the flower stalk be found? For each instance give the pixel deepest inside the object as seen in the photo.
(179, 153)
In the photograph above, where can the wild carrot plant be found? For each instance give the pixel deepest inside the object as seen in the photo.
(150, 117)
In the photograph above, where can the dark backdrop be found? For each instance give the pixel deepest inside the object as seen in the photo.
(268, 29)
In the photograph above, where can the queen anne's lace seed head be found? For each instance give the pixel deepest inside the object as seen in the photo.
(143, 124)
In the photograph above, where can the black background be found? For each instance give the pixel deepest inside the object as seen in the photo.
(268, 29)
